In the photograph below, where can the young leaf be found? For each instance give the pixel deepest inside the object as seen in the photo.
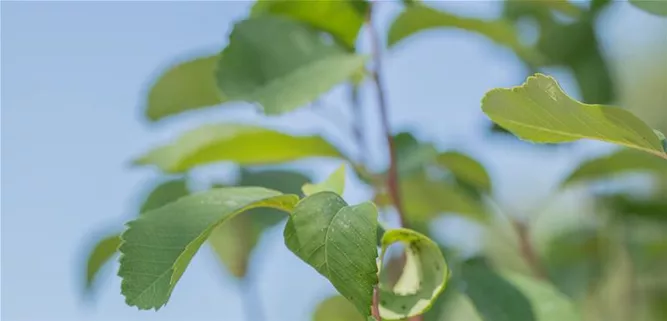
(339, 242)
(547, 302)
(334, 183)
(281, 64)
(411, 154)
(243, 144)
(424, 276)
(157, 247)
(103, 251)
(165, 193)
(185, 86)
(494, 298)
(620, 162)
(656, 7)
(342, 19)
(539, 111)
(466, 169)
(417, 18)
(234, 241)
(337, 308)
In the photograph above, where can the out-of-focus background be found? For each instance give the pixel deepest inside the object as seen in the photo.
(74, 80)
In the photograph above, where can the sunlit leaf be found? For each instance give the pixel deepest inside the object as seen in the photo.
(185, 86)
(657, 7)
(234, 241)
(157, 247)
(466, 169)
(281, 64)
(342, 19)
(424, 199)
(334, 183)
(547, 302)
(102, 253)
(417, 18)
(423, 279)
(494, 298)
(339, 241)
(243, 144)
(539, 111)
(620, 162)
(337, 308)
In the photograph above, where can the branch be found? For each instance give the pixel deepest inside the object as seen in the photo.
(528, 251)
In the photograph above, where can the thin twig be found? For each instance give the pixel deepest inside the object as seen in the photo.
(528, 251)
(358, 123)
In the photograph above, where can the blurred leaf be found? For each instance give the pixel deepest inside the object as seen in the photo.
(424, 199)
(185, 86)
(495, 298)
(466, 169)
(514, 9)
(339, 241)
(657, 7)
(539, 111)
(411, 154)
(157, 247)
(548, 304)
(102, 253)
(342, 19)
(575, 261)
(424, 276)
(281, 64)
(627, 206)
(662, 138)
(234, 241)
(243, 144)
(334, 183)
(337, 308)
(620, 162)
(164, 194)
(417, 18)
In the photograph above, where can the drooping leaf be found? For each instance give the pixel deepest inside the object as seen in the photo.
(243, 144)
(337, 308)
(424, 199)
(234, 241)
(334, 183)
(157, 247)
(547, 302)
(339, 242)
(417, 18)
(186, 86)
(620, 162)
(424, 276)
(281, 64)
(656, 7)
(164, 193)
(342, 19)
(466, 169)
(494, 298)
(539, 111)
(102, 253)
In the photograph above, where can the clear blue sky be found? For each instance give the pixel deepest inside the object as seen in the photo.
(73, 78)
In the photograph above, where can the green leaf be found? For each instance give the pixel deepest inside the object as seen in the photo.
(185, 86)
(495, 298)
(411, 154)
(662, 139)
(337, 308)
(417, 18)
(424, 199)
(342, 19)
(656, 7)
(243, 144)
(424, 276)
(652, 209)
(165, 193)
(334, 183)
(234, 241)
(547, 302)
(103, 251)
(539, 111)
(466, 169)
(620, 162)
(157, 247)
(281, 64)
(339, 241)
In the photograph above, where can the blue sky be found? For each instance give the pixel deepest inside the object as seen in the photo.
(73, 79)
